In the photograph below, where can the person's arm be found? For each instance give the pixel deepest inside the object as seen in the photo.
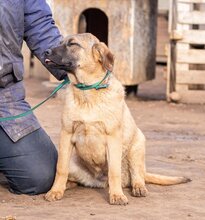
(40, 32)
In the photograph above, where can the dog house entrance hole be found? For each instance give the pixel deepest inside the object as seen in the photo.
(94, 21)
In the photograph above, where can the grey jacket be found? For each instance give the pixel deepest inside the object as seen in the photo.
(28, 20)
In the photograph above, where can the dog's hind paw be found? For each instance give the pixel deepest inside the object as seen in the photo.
(118, 199)
(53, 195)
(139, 191)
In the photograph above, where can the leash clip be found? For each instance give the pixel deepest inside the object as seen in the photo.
(102, 86)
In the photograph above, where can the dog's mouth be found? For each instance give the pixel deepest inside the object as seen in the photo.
(53, 63)
(69, 66)
(48, 61)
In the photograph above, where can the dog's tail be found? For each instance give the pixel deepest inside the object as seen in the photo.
(164, 180)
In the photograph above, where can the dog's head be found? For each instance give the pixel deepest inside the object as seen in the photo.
(81, 54)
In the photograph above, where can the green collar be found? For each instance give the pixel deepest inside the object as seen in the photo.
(96, 86)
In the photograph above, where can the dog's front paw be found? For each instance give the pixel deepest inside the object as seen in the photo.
(116, 199)
(53, 195)
(139, 191)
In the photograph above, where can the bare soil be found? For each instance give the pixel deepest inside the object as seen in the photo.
(175, 146)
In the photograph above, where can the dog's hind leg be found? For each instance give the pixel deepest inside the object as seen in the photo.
(70, 184)
(136, 158)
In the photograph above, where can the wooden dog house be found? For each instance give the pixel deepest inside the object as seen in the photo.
(128, 27)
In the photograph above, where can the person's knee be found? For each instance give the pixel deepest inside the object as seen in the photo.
(37, 182)
(33, 170)
(37, 177)
(42, 181)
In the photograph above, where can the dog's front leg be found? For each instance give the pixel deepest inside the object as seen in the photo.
(64, 154)
(114, 157)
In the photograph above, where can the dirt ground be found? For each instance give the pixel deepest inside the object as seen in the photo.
(175, 145)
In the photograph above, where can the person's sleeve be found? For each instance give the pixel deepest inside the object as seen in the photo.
(40, 32)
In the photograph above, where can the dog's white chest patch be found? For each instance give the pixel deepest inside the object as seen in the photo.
(89, 140)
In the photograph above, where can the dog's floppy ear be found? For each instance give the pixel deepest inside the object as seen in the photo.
(103, 55)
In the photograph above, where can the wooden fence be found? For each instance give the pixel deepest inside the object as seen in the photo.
(186, 56)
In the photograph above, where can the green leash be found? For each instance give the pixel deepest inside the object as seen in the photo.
(66, 81)
(81, 86)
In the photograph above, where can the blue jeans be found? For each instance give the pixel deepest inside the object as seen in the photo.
(28, 164)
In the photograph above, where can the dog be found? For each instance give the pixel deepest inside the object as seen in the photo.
(100, 144)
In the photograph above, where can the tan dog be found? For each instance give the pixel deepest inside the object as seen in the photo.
(100, 143)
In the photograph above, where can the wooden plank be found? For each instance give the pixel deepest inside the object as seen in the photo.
(181, 88)
(168, 87)
(162, 38)
(192, 1)
(182, 46)
(192, 96)
(191, 56)
(170, 63)
(191, 77)
(181, 67)
(189, 36)
(191, 17)
(171, 14)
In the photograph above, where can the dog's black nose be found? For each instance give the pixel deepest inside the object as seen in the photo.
(48, 52)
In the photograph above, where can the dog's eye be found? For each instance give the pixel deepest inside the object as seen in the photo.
(69, 44)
